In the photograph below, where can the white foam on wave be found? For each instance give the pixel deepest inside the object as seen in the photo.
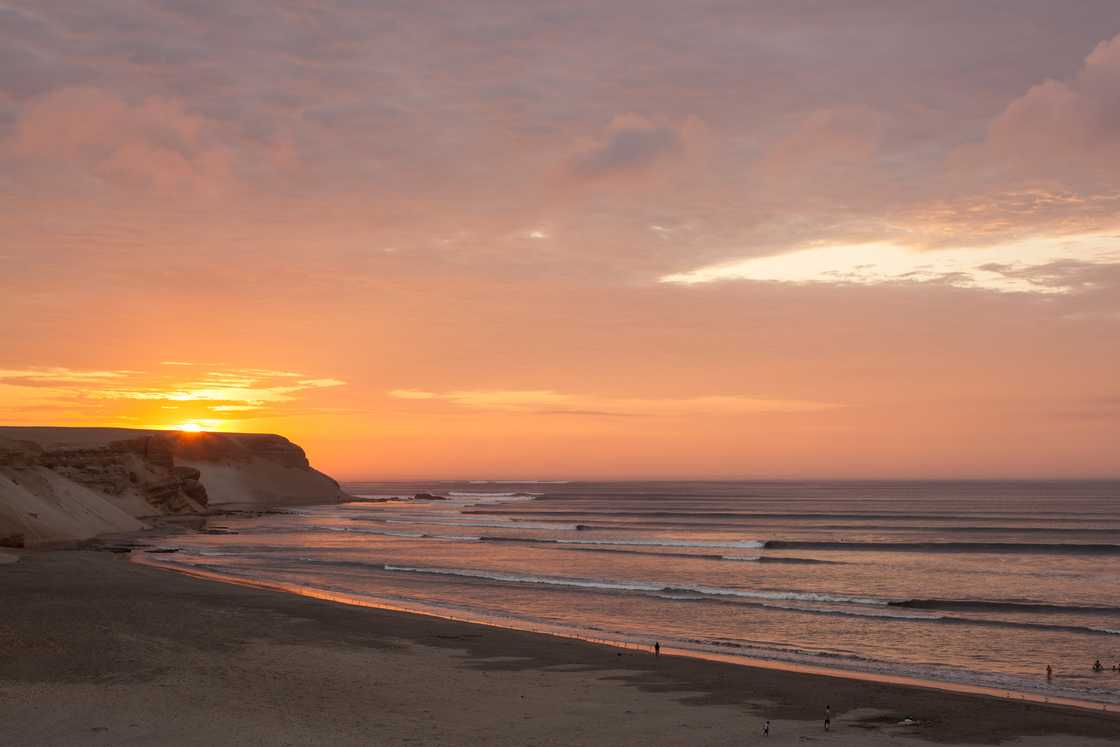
(409, 535)
(802, 596)
(519, 482)
(522, 578)
(652, 586)
(474, 494)
(853, 613)
(383, 496)
(731, 545)
(380, 532)
(485, 524)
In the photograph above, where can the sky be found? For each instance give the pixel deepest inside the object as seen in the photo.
(535, 239)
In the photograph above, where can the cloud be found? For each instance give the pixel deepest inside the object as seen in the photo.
(321, 383)
(842, 138)
(50, 375)
(220, 391)
(549, 402)
(1063, 131)
(82, 140)
(1039, 266)
(154, 144)
(630, 143)
(412, 394)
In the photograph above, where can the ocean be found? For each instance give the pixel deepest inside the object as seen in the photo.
(975, 584)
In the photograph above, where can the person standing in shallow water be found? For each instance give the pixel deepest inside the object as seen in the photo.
(1049, 672)
(657, 648)
(827, 717)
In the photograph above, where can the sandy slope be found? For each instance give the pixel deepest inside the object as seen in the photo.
(46, 507)
(262, 483)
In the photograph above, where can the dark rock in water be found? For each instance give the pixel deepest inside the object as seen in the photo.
(428, 497)
(162, 550)
(12, 540)
(582, 527)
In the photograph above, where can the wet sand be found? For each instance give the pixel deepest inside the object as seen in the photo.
(97, 650)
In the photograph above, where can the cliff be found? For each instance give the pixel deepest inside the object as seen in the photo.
(63, 484)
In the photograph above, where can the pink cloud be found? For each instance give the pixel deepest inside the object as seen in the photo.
(153, 145)
(1061, 131)
(843, 137)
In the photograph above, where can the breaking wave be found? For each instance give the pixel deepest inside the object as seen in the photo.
(648, 586)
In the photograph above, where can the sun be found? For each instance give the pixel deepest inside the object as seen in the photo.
(190, 427)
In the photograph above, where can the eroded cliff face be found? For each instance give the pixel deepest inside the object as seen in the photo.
(60, 484)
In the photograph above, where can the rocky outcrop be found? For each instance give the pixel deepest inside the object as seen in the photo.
(89, 481)
(156, 449)
(143, 467)
(280, 450)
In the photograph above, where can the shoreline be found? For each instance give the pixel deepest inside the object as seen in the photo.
(121, 649)
(1091, 706)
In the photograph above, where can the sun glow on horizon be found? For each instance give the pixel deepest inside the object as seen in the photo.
(211, 398)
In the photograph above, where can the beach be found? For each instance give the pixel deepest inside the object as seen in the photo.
(976, 585)
(97, 650)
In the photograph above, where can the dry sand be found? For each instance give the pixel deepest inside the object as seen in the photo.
(97, 650)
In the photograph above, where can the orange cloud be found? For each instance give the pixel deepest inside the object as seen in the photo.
(93, 395)
(154, 144)
(548, 401)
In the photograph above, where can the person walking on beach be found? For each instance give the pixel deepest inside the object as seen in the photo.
(657, 648)
(1049, 672)
(766, 729)
(827, 718)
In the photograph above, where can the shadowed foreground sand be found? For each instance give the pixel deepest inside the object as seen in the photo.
(95, 650)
